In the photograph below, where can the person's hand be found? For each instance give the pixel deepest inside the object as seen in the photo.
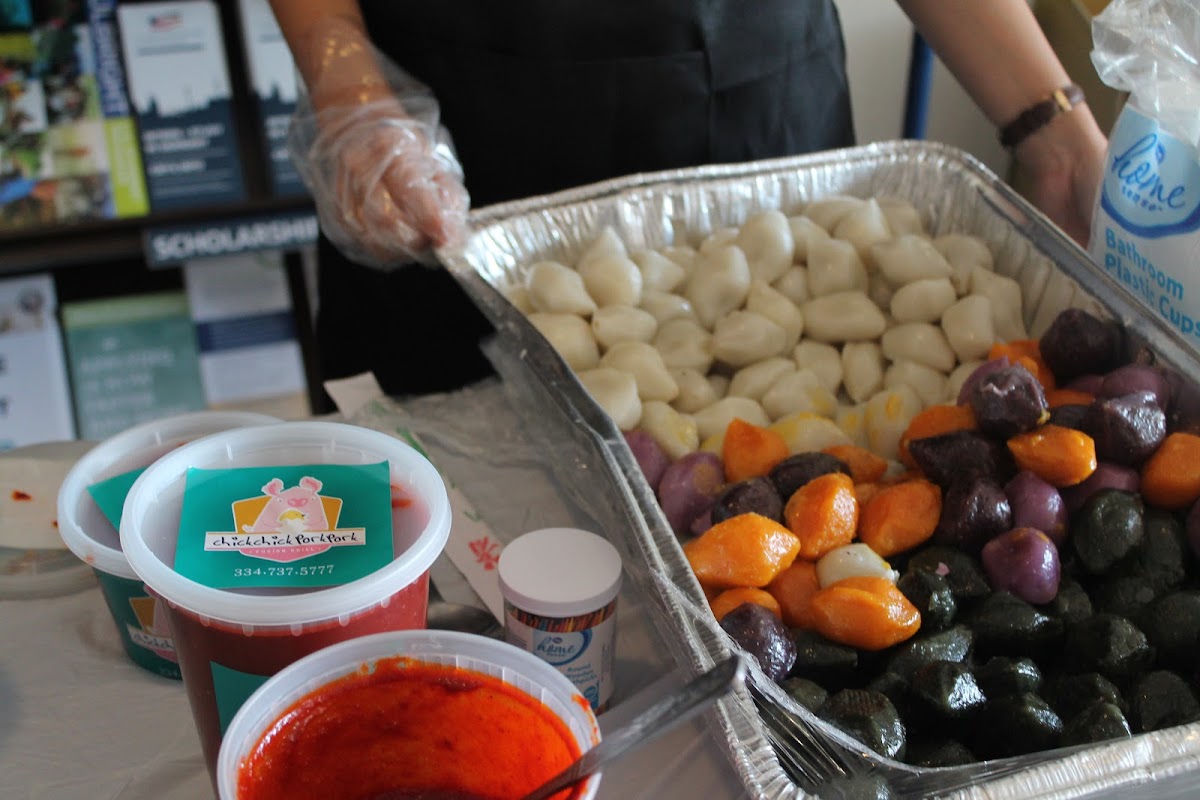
(365, 138)
(386, 193)
(1065, 162)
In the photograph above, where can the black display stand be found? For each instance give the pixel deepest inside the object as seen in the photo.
(109, 258)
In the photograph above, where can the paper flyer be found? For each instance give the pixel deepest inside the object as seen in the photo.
(179, 83)
(273, 77)
(245, 331)
(126, 178)
(68, 146)
(132, 359)
(35, 403)
(473, 547)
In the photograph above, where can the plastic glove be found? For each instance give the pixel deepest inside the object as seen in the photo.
(382, 172)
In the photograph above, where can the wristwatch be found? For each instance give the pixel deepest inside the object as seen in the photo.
(1040, 113)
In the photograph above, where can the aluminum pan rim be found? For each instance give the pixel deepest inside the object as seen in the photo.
(495, 247)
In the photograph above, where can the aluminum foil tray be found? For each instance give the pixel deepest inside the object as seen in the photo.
(955, 193)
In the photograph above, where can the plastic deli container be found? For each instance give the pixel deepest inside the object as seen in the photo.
(361, 657)
(560, 588)
(29, 573)
(230, 641)
(140, 620)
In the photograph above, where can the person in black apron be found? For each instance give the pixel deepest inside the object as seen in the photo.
(542, 95)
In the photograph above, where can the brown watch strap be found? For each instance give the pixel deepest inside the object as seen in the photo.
(1039, 114)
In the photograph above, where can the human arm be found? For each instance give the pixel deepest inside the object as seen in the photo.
(366, 139)
(997, 51)
(322, 32)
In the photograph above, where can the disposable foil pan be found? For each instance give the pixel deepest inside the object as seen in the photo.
(954, 193)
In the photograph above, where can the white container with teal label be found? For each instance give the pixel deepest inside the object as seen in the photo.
(560, 588)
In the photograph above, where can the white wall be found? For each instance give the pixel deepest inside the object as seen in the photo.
(878, 39)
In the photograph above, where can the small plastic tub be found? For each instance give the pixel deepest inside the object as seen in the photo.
(360, 659)
(139, 618)
(230, 641)
(560, 588)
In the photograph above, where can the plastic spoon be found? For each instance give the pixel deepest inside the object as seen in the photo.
(676, 707)
(444, 615)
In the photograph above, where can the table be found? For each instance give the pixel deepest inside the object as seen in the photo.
(78, 721)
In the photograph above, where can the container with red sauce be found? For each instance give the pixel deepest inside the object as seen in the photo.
(229, 642)
(428, 714)
(90, 535)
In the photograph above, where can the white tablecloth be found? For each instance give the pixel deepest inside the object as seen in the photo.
(78, 721)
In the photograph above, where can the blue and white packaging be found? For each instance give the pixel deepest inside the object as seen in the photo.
(1146, 229)
(273, 78)
(179, 83)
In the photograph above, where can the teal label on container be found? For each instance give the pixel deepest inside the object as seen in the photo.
(232, 689)
(287, 526)
(110, 494)
(141, 623)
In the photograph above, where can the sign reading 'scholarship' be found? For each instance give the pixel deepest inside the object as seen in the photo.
(1146, 232)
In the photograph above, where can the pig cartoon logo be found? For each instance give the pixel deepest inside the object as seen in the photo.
(296, 509)
(286, 524)
(151, 631)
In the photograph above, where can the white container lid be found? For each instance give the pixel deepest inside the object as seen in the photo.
(559, 572)
(83, 527)
(26, 574)
(150, 522)
(500, 660)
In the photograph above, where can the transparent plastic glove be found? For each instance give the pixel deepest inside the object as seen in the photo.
(383, 174)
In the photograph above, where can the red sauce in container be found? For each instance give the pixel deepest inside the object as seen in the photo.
(408, 730)
(200, 644)
(230, 641)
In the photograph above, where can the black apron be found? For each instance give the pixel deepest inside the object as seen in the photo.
(543, 95)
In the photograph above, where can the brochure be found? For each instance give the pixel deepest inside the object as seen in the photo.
(68, 145)
(242, 308)
(131, 359)
(273, 79)
(35, 402)
(179, 83)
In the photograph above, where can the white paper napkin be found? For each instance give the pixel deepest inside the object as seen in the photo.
(473, 547)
